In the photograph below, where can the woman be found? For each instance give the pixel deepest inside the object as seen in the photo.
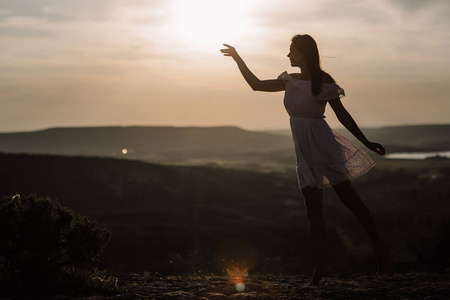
(324, 158)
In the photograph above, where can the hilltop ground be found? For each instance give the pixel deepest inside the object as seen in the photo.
(342, 286)
(174, 220)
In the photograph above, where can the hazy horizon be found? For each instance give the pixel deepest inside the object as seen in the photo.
(339, 126)
(157, 63)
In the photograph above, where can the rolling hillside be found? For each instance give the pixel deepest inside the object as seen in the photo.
(163, 144)
(158, 212)
(140, 141)
(226, 147)
(173, 219)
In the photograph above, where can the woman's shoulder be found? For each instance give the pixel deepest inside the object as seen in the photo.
(290, 76)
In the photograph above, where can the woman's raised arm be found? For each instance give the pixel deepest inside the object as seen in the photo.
(273, 85)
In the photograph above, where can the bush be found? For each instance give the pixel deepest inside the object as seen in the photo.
(42, 242)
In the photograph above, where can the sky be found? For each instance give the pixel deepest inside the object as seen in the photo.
(157, 62)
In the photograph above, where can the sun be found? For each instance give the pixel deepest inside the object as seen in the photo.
(209, 23)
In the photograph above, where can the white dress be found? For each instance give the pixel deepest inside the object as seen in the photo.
(324, 157)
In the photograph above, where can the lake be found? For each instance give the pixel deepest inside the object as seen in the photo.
(418, 155)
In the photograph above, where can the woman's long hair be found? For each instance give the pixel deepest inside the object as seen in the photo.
(308, 47)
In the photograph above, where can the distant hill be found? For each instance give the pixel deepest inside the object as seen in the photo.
(226, 146)
(402, 138)
(141, 141)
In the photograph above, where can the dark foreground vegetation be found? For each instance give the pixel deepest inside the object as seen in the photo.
(201, 221)
(46, 250)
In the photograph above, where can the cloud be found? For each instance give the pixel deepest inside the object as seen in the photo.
(107, 51)
(67, 11)
(24, 32)
(32, 9)
(56, 10)
(417, 5)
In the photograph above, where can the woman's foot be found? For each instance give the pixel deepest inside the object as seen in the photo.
(315, 279)
(382, 253)
(318, 274)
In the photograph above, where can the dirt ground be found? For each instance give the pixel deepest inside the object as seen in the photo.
(430, 286)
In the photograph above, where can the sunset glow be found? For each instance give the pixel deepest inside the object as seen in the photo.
(206, 23)
(103, 63)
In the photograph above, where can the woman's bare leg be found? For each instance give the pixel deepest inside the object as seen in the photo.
(314, 209)
(352, 201)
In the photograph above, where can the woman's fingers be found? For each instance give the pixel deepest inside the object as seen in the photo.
(226, 50)
(380, 149)
(229, 51)
(376, 148)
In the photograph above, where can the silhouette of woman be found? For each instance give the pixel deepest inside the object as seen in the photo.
(324, 158)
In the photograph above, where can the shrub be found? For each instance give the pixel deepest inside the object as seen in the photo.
(40, 240)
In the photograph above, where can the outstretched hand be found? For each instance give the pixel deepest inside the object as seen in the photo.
(376, 148)
(230, 51)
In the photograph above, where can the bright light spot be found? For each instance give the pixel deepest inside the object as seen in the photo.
(240, 287)
(208, 23)
(124, 151)
(238, 274)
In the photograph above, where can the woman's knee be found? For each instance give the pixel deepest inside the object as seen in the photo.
(344, 187)
(313, 199)
(347, 193)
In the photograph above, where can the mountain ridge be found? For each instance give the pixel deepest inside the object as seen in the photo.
(105, 141)
(231, 145)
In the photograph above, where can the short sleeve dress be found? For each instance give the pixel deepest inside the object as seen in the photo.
(324, 157)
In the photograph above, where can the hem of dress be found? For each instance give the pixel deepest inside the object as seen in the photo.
(331, 184)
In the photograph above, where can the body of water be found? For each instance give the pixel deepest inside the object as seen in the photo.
(418, 155)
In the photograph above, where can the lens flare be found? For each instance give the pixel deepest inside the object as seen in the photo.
(236, 257)
(238, 274)
(240, 287)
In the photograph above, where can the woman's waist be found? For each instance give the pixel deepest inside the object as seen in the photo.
(305, 113)
(302, 122)
(301, 126)
(305, 109)
(307, 117)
